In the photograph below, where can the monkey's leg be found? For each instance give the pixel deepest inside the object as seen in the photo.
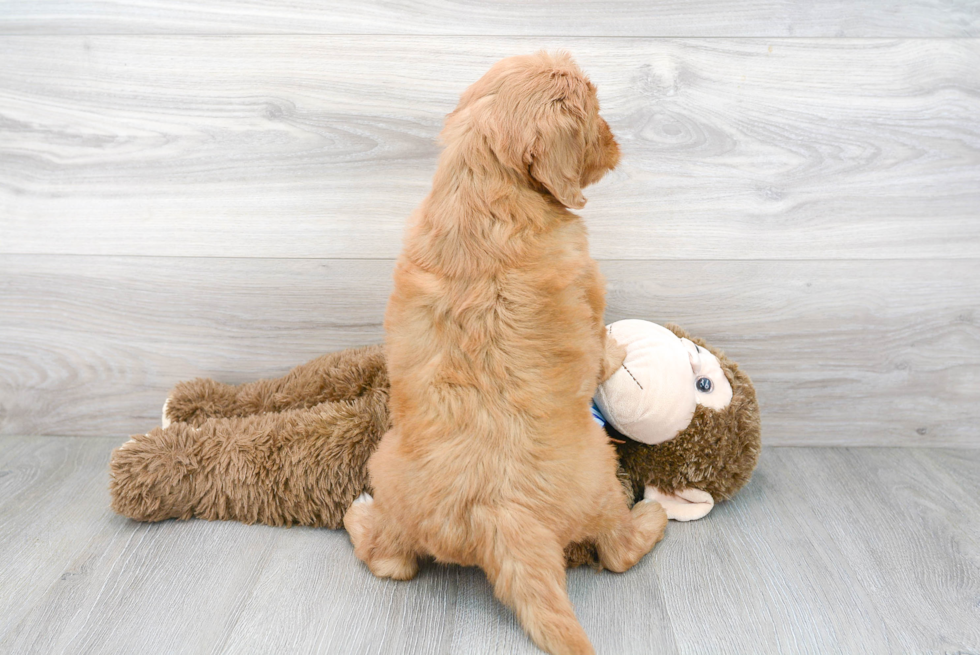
(342, 375)
(298, 467)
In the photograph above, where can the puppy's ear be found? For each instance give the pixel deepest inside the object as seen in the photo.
(556, 153)
(533, 112)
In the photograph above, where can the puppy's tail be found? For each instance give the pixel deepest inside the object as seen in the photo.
(527, 570)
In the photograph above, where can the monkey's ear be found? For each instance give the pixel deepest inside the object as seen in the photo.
(557, 152)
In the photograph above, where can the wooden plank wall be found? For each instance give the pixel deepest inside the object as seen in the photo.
(219, 189)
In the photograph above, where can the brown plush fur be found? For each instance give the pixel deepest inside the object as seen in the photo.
(340, 376)
(495, 344)
(259, 452)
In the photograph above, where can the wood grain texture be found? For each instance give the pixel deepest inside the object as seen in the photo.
(53, 500)
(842, 353)
(316, 147)
(832, 550)
(826, 550)
(965, 507)
(116, 332)
(512, 17)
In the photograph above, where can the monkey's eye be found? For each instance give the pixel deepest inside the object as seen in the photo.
(704, 385)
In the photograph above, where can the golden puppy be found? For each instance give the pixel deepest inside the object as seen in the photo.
(495, 345)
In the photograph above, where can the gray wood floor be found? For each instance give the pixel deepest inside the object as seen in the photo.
(829, 550)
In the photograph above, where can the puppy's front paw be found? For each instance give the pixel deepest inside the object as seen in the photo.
(612, 359)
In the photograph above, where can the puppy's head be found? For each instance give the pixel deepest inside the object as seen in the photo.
(539, 114)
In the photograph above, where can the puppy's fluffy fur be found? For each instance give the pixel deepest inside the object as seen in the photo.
(495, 344)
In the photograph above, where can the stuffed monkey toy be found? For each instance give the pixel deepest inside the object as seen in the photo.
(294, 450)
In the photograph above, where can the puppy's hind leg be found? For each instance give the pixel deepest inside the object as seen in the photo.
(528, 575)
(628, 535)
(378, 542)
